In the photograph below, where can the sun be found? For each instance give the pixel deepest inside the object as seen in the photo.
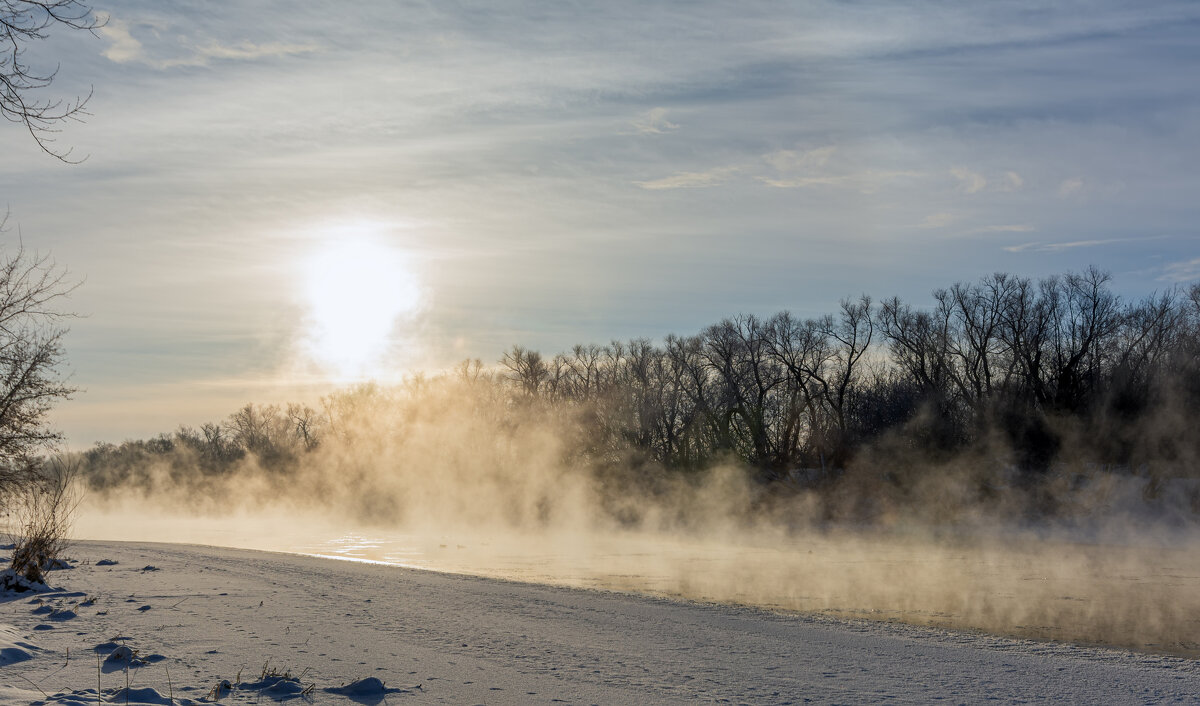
(359, 291)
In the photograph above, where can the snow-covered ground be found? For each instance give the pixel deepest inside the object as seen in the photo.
(288, 627)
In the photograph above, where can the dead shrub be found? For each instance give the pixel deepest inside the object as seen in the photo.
(43, 511)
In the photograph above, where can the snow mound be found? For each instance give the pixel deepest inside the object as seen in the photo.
(280, 688)
(366, 691)
(12, 582)
(369, 688)
(361, 687)
(12, 648)
(56, 564)
(122, 657)
(122, 653)
(145, 695)
(87, 697)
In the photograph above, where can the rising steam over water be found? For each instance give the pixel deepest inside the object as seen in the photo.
(426, 481)
(1142, 596)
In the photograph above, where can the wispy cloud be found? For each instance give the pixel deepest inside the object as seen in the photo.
(1184, 271)
(654, 122)
(125, 48)
(691, 180)
(867, 182)
(938, 220)
(804, 182)
(802, 169)
(794, 160)
(1070, 187)
(1071, 245)
(247, 51)
(1009, 228)
(969, 181)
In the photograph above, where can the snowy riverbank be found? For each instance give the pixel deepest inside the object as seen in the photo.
(198, 616)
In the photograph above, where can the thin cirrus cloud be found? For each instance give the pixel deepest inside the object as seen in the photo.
(691, 180)
(969, 181)
(1007, 228)
(792, 160)
(938, 220)
(1070, 187)
(789, 169)
(869, 181)
(1183, 271)
(125, 48)
(1070, 245)
(654, 122)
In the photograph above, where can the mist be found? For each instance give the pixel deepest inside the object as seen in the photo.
(840, 476)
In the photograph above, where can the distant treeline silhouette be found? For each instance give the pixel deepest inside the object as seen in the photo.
(1007, 375)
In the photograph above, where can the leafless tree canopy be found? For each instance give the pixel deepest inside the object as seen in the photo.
(24, 22)
(31, 332)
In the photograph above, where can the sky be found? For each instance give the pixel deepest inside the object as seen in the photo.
(282, 197)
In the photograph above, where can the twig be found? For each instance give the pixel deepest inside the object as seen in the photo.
(34, 685)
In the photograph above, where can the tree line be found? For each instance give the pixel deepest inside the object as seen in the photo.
(1026, 375)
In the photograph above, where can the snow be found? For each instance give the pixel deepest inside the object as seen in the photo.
(13, 648)
(11, 581)
(296, 629)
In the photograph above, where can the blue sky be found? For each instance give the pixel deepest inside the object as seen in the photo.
(553, 173)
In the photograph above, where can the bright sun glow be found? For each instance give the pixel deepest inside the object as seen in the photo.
(359, 291)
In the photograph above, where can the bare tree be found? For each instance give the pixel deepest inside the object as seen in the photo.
(306, 423)
(31, 287)
(850, 337)
(23, 22)
(584, 364)
(749, 377)
(469, 371)
(920, 344)
(1090, 315)
(526, 369)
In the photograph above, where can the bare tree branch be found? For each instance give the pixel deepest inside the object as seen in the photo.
(24, 22)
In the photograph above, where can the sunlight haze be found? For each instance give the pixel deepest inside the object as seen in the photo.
(359, 293)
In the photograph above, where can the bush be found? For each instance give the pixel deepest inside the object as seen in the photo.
(42, 519)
